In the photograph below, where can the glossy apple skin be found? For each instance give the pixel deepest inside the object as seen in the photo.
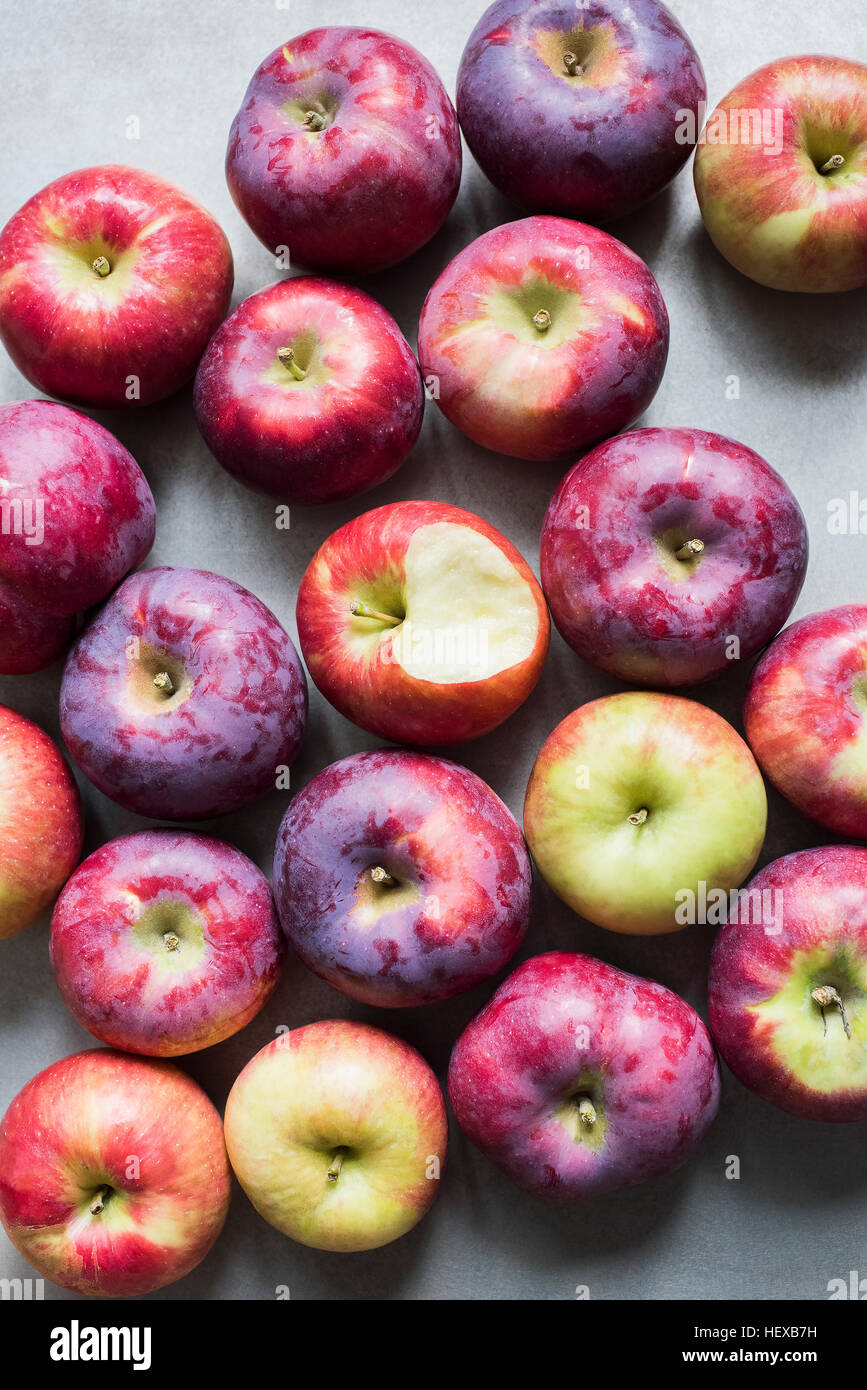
(30, 639)
(376, 182)
(330, 1085)
(117, 974)
(379, 695)
(593, 146)
(99, 514)
(776, 217)
(617, 591)
(71, 1132)
(762, 1017)
(347, 426)
(542, 396)
(79, 336)
(460, 903)
(41, 824)
(237, 714)
(564, 1026)
(805, 717)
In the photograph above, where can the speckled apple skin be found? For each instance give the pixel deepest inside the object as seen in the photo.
(218, 749)
(524, 1055)
(73, 1128)
(306, 442)
(527, 400)
(113, 983)
(99, 517)
(375, 184)
(30, 639)
(593, 147)
(805, 720)
(610, 593)
(429, 823)
(823, 898)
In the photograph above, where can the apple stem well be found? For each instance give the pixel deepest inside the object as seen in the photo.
(363, 610)
(638, 817)
(825, 996)
(572, 66)
(835, 162)
(542, 320)
(164, 683)
(102, 266)
(336, 1164)
(689, 550)
(286, 356)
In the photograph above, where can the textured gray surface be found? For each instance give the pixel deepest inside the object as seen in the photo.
(70, 77)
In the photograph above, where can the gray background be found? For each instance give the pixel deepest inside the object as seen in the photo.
(70, 76)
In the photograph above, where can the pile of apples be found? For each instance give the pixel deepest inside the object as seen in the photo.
(400, 877)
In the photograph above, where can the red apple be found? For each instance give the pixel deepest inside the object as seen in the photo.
(30, 639)
(112, 281)
(422, 624)
(113, 1174)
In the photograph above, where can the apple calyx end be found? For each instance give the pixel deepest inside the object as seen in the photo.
(172, 941)
(542, 320)
(335, 1165)
(587, 1112)
(690, 550)
(835, 162)
(380, 875)
(286, 358)
(363, 610)
(101, 266)
(638, 817)
(572, 66)
(826, 996)
(164, 683)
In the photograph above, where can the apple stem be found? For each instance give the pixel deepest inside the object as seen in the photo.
(102, 266)
(336, 1164)
(542, 320)
(172, 941)
(314, 120)
(380, 875)
(163, 682)
(98, 1203)
(825, 996)
(835, 162)
(572, 66)
(286, 356)
(638, 817)
(363, 610)
(587, 1112)
(689, 550)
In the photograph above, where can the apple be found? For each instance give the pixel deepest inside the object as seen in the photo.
(805, 717)
(112, 281)
(542, 337)
(781, 175)
(422, 624)
(401, 878)
(575, 108)
(578, 1079)
(637, 798)
(788, 985)
(309, 392)
(346, 152)
(114, 1174)
(164, 942)
(41, 825)
(184, 697)
(667, 554)
(337, 1133)
(30, 639)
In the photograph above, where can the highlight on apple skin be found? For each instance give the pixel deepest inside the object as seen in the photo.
(422, 624)
(578, 1079)
(787, 988)
(337, 1133)
(401, 878)
(668, 555)
(542, 337)
(115, 1176)
(164, 942)
(638, 798)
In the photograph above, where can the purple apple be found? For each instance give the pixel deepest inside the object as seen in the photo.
(401, 878)
(30, 640)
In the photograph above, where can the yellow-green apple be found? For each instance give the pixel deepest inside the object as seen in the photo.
(114, 1179)
(309, 392)
(542, 337)
(575, 108)
(346, 152)
(806, 717)
(337, 1133)
(112, 281)
(164, 942)
(669, 554)
(422, 624)
(781, 175)
(41, 825)
(638, 798)
(578, 1079)
(401, 878)
(788, 989)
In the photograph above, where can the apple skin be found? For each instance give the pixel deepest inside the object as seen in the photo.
(565, 1027)
(329, 1086)
(805, 717)
(774, 216)
(618, 593)
(376, 182)
(542, 395)
(643, 751)
(71, 1132)
(762, 1016)
(30, 639)
(111, 942)
(459, 905)
(355, 663)
(78, 335)
(348, 425)
(237, 712)
(593, 146)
